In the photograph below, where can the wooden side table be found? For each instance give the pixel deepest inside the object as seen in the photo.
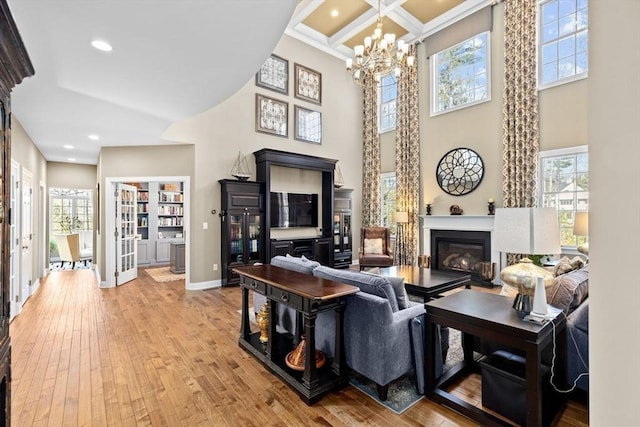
(489, 316)
(308, 295)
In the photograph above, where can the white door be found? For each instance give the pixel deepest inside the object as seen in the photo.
(14, 233)
(126, 228)
(26, 236)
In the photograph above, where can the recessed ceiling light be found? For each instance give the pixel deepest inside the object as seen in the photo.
(335, 12)
(93, 137)
(71, 159)
(68, 146)
(102, 45)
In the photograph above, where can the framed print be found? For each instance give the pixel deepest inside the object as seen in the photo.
(308, 84)
(308, 125)
(272, 116)
(274, 75)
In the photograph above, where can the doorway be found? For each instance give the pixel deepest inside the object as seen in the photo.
(162, 218)
(71, 228)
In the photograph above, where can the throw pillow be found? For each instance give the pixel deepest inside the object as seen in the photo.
(566, 265)
(397, 283)
(569, 290)
(373, 246)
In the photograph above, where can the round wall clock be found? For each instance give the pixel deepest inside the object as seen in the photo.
(460, 171)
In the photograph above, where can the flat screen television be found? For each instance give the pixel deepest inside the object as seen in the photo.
(293, 210)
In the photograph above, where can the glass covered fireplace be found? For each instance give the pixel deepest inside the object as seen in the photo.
(467, 251)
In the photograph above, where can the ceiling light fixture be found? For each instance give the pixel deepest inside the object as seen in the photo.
(71, 159)
(93, 137)
(380, 55)
(334, 12)
(102, 45)
(68, 146)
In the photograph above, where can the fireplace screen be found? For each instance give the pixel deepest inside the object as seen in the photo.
(462, 250)
(460, 256)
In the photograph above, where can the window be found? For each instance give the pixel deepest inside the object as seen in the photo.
(564, 179)
(563, 41)
(461, 75)
(388, 93)
(71, 211)
(388, 202)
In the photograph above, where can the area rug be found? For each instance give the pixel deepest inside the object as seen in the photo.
(402, 393)
(163, 274)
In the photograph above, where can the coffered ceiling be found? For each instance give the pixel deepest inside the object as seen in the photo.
(336, 26)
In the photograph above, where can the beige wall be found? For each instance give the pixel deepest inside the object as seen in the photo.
(221, 132)
(614, 156)
(71, 175)
(142, 161)
(29, 157)
(563, 123)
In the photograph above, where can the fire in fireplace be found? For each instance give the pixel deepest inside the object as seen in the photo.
(468, 251)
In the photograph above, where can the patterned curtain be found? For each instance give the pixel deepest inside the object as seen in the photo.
(370, 156)
(520, 106)
(408, 163)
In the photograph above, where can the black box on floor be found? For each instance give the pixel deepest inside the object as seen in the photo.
(504, 387)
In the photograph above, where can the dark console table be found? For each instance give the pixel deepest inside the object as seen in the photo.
(489, 316)
(309, 296)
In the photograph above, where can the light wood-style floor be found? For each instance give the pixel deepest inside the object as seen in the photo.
(152, 353)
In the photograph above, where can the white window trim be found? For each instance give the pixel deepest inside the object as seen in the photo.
(578, 149)
(559, 82)
(379, 115)
(434, 83)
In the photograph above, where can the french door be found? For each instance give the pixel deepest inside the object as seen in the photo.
(126, 228)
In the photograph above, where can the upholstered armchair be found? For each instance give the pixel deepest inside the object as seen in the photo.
(375, 247)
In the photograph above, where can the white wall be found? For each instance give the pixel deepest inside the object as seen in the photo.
(614, 156)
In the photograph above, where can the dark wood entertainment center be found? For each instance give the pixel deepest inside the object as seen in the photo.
(246, 210)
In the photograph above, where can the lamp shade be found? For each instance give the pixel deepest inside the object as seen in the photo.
(581, 224)
(400, 216)
(532, 231)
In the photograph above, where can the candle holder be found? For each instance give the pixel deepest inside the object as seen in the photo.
(428, 209)
(492, 208)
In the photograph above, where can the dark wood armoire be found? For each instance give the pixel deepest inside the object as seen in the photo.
(14, 66)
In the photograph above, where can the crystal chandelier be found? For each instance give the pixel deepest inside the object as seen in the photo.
(379, 55)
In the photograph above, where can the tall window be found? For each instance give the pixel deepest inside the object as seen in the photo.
(388, 202)
(387, 103)
(461, 75)
(71, 211)
(564, 42)
(564, 178)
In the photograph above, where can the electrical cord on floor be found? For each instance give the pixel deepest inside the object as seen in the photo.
(553, 361)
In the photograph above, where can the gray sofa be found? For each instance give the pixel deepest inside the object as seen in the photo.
(570, 292)
(380, 337)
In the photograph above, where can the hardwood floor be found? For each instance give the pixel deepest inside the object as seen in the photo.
(152, 353)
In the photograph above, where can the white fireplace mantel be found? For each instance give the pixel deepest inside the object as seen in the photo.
(459, 223)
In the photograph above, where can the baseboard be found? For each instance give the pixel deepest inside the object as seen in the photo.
(201, 286)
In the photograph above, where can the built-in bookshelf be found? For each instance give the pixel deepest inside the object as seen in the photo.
(143, 210)
(170, 211)
(160, 219)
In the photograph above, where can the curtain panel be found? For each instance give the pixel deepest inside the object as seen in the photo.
(520, 105)
(370, 156)
(408, 163)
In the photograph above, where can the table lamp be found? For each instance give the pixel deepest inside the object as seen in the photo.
(581, 228)
(527, 231)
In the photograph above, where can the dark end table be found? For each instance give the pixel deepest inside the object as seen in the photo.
(490, 316)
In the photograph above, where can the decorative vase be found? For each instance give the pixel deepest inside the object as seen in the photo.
(295, 359)
(262, 318)
(522, 276)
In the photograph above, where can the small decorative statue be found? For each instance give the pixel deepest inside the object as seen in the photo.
(492, 207)
(455, 210)
(263, 322)
(428, 209)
